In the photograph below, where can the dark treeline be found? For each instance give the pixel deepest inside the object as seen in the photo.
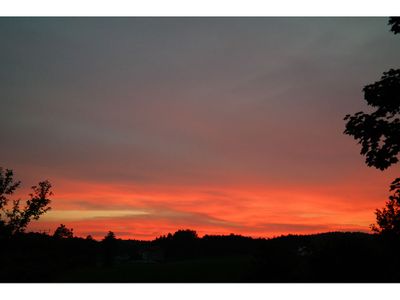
(184, 257)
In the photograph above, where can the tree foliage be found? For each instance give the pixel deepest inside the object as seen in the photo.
(13, 217)
(110, 236)
(7, 185)
(388, 218)
(62, 232)
(395, 24)
(185, 235)
(378, 133)
(110, 248)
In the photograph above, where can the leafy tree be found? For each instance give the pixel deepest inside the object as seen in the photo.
(63, 232)
(110, 236)
(110, 248)
(13, 218)
(185, 235)
(7, 186)
(388, 219)
(395, 22)
(378, 133)
(183, 244)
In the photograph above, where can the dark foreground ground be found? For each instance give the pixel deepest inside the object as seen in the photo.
(182, 257)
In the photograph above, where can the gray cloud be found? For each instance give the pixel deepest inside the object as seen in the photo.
(187, 100)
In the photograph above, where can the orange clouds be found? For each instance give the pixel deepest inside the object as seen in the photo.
(219, 125)
(145, 212)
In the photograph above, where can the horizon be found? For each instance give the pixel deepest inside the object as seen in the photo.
(49, 233)
(145, 126)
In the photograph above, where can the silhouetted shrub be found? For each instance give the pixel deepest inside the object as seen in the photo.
(63, 232)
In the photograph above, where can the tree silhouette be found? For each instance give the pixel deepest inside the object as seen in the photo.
(7, 186)
(379, 135)
(63, 232)
(388, 219)
(110, 248)
(185, 235)
(110, 236)
(13, 218)
(379, 132)
(395, 22)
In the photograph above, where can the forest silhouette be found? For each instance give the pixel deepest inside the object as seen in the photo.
(183, 256)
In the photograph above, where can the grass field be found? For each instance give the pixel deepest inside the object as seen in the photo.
(227, 269)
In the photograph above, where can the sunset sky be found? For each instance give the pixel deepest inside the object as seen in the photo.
(222, 125)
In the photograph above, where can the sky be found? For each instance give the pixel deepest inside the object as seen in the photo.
(221, 125)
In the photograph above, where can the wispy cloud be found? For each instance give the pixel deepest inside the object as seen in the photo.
(219, 124)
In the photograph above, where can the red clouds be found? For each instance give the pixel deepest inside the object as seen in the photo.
(145, 212)
(149, 125)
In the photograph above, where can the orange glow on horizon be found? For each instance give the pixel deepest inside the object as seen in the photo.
(145, 212)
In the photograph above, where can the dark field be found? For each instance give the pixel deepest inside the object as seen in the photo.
(183, 257)
(230, 269)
